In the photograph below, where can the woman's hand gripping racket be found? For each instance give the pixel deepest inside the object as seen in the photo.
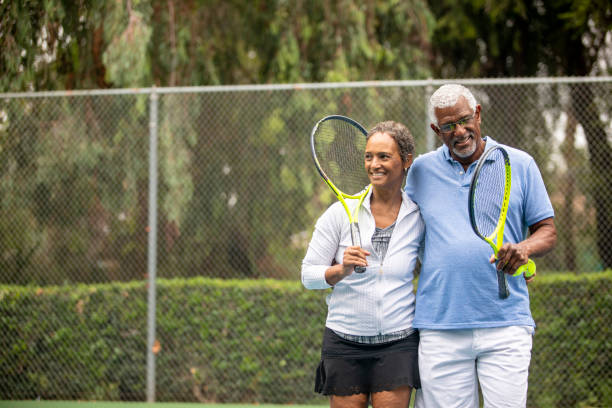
(338, 148)
(488, 207)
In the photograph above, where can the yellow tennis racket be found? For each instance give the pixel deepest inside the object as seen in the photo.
(338, 144)
(488, 206)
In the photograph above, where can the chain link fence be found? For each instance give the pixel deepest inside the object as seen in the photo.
(236, 193)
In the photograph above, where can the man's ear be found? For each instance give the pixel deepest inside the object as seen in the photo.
(408, 162)
(435, 129)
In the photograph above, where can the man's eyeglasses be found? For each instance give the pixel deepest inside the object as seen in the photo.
(450, 127)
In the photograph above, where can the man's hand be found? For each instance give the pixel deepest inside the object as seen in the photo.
(530, 279)
(510, 257)
(542, 239)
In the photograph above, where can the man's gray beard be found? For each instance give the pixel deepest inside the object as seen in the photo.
(469, 152)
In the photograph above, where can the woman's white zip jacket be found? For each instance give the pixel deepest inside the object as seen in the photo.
(381, 300)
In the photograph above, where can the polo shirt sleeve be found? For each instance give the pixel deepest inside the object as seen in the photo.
(411, 180)
(322, 249)
(537, 203)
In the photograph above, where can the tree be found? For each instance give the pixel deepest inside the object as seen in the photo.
(51, 45)
(272, 42)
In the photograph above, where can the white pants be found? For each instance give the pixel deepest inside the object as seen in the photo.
(452, 362)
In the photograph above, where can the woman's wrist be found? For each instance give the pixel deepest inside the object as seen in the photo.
(335, 274)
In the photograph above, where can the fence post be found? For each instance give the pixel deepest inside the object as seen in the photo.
(429, 138)
(152, 246)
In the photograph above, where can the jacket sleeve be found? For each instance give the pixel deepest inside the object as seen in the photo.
(322, 249)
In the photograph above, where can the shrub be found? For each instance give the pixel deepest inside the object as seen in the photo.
(253, 341)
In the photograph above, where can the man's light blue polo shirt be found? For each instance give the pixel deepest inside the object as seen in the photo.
(458, 286)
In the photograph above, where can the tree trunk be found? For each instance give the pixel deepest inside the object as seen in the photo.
(568, 229)
(600, 154)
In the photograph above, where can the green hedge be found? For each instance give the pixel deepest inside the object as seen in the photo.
(221, 340)
(571, 364)
(253, 341)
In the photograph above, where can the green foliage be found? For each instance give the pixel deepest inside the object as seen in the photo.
(140, 43)
(477, 38)
(220, 340)
(239, 341)
(66, 45)
(48, 45)
(253, 341)
(572, 346)
(87, 342)
(128, 35)
(519, 38)
(68, 177)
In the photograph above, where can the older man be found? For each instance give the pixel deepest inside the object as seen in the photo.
(468, 334)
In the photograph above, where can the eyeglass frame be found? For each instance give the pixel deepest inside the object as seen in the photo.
(453, 125)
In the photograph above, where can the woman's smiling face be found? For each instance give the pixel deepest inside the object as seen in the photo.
(383, 162)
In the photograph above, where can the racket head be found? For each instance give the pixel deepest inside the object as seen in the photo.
(337, 145)
(489, 196)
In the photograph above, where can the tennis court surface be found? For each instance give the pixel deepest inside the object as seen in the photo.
(105, 404)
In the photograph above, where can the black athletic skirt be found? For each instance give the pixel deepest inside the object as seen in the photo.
(348, 368)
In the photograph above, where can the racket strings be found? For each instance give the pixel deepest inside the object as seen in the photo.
(489, 194)
(340, 150)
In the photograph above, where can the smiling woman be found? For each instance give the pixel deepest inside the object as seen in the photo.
(387, 159)
(369, 346)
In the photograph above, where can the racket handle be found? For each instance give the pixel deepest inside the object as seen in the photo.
(528, 269)
(356, 239)
(502, 285)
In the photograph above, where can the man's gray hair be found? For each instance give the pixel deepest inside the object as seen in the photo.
(448, 95)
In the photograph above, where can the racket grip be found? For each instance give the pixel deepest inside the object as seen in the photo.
(356, 239)
(502, 285)
(528, 269)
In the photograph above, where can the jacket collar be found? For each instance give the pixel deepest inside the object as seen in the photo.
(408, 206)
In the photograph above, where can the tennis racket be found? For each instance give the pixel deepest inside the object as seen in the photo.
(338, 145)
(488, 207)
